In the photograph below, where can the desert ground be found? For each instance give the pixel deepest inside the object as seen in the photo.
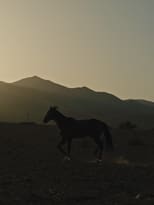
(32, 171)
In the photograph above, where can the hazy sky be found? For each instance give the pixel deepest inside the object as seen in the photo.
(106, 45)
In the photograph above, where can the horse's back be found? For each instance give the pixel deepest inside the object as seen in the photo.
(92, 122)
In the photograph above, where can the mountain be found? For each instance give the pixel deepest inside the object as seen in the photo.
(17, 101)
(29, 99)
(38, 83)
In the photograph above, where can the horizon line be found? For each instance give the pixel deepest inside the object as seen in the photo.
(57, 83)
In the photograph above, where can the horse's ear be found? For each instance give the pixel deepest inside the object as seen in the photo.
(55, 107)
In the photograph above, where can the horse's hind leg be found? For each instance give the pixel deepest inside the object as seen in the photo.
(69, 143)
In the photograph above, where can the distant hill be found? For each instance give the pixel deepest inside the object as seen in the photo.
(38, 83)
(28, 100)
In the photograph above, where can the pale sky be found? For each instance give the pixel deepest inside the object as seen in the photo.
(107, 45)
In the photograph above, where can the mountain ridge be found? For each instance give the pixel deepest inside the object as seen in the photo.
(34, 95)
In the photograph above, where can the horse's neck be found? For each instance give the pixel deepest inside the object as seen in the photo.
(61, 120)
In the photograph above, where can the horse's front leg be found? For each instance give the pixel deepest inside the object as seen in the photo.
(60, 146)
(99, 149)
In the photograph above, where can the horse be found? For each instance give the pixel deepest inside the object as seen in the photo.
(71, 128)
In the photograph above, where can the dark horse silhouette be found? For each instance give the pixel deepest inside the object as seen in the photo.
(71, 128)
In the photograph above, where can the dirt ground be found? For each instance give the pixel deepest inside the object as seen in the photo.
(32, 171)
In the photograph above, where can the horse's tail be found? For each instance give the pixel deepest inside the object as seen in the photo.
(108, 138)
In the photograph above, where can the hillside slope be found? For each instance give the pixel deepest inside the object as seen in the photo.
(29, 99)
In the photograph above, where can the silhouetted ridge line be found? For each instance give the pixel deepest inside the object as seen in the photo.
(32, 95)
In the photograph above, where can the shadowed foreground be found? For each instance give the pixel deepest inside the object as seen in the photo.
(32, 170)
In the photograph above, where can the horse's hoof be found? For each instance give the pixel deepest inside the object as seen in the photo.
(66, 158)
(99, 161)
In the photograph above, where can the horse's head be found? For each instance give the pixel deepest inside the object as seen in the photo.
(51, 114)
